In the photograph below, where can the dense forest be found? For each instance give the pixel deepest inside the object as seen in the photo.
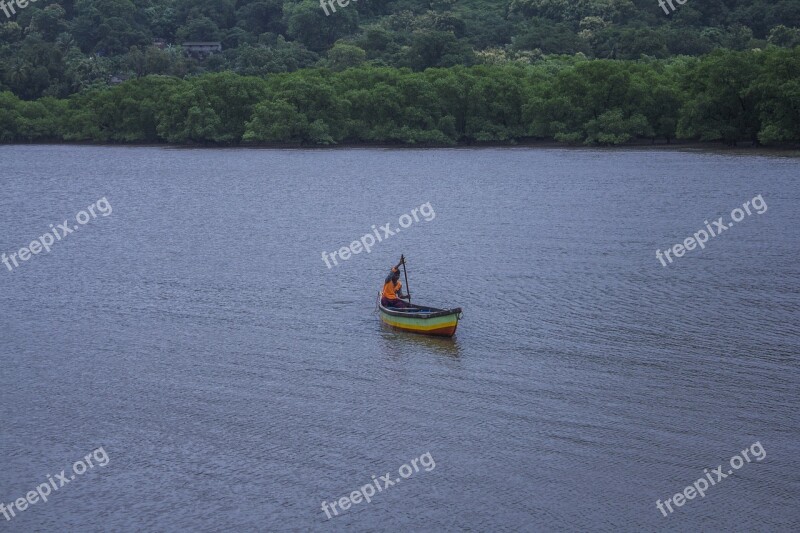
(401, 71)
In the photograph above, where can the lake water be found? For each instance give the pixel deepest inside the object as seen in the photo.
(235, 382)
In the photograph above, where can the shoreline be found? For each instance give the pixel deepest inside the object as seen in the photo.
(710, 146)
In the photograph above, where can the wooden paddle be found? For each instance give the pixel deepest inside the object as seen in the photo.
(405, 274)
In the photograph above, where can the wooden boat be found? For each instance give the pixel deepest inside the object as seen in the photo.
(421, 319)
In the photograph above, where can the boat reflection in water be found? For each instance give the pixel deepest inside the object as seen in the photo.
(410, 342)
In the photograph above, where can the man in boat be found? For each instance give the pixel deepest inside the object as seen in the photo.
(393, 289)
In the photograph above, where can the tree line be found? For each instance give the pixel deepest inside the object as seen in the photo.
(59, 47)
(726, 96)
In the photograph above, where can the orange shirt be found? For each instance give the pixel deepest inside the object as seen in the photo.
(390, 290)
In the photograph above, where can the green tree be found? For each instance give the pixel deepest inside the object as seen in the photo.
(780, 35)
(198, 28)
(721, 105)
(437, 49)
(276, 121)
(109, 27)
(777, 89)
(306, 22)
(344, 55)
(50, 21)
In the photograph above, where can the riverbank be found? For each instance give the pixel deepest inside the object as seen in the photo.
(791, 150)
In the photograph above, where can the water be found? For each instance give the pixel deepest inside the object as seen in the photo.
(235, 382)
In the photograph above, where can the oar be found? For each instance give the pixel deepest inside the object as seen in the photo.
(405, 274)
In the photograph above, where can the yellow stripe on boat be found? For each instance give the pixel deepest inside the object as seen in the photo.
(407, 324)
(422, 319)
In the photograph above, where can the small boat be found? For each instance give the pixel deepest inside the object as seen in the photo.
(421, 319)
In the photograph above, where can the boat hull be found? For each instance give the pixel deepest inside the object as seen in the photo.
(422, 320)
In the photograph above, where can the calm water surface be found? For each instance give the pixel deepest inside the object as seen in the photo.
(236, 382)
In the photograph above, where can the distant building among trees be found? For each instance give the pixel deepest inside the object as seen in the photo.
(201, 50)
